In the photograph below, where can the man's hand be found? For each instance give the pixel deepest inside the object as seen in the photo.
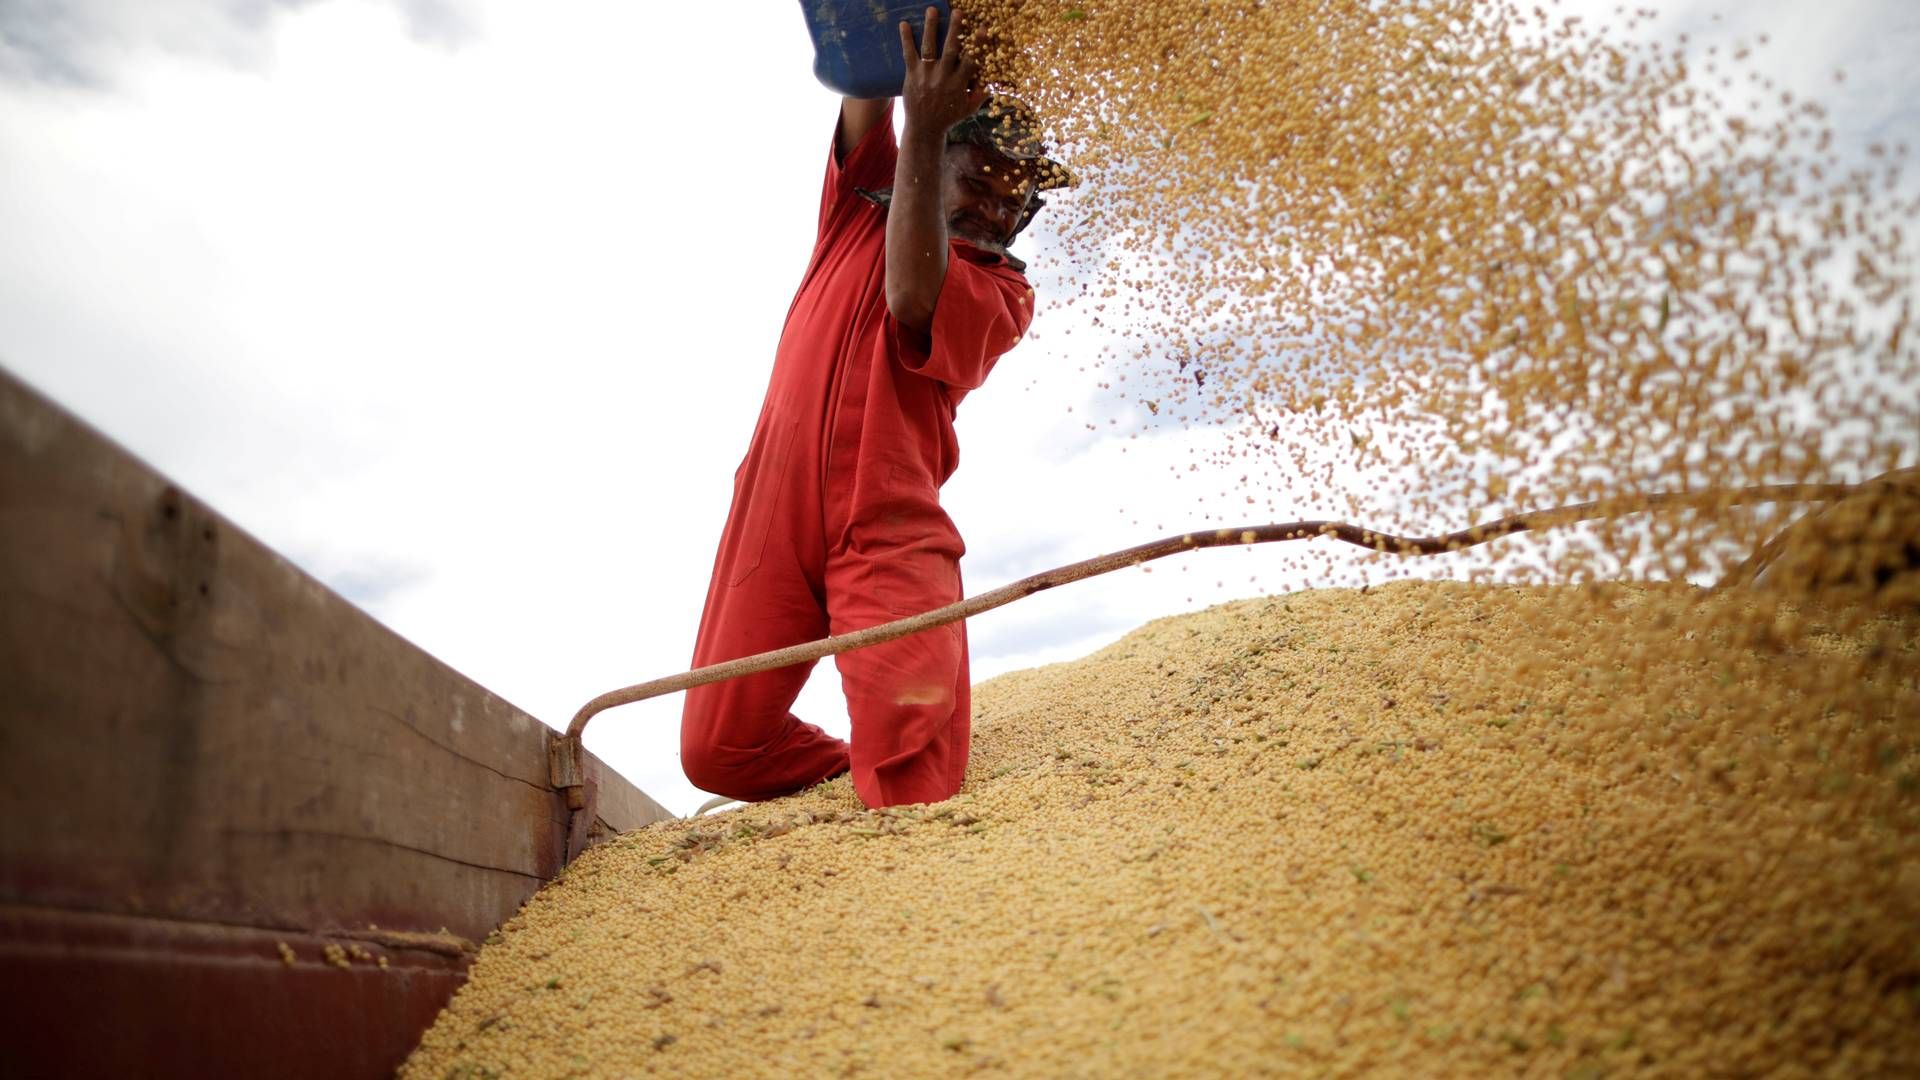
(942, 86)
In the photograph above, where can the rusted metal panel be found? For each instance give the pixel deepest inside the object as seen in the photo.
(195, 732)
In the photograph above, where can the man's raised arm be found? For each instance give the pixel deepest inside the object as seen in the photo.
(942, 89)
(857, 117)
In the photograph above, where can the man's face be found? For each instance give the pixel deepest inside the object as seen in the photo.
(984, 194)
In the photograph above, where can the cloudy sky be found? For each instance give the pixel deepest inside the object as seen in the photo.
(467, 307)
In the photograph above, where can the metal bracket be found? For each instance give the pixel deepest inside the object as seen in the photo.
(570, 774)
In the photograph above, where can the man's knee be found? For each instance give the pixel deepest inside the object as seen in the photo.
(709, 766)
(712, 767)
(704, 768)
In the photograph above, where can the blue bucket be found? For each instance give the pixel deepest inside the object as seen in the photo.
(856, 43)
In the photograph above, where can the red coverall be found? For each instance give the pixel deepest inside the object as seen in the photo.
(836, 522)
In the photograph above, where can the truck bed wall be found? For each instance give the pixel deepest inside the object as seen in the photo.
(205, 755)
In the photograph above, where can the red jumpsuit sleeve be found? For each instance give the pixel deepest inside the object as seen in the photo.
(869, 165)
(982, 311)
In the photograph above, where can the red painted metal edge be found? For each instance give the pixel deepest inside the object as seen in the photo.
(86, 995)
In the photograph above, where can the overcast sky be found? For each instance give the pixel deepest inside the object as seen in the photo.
(467, 309)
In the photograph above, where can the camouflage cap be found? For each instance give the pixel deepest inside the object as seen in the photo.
(1009, 128)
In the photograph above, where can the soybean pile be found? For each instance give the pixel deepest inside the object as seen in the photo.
(1431, 828)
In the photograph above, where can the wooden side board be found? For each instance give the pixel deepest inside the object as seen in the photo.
(196, 735)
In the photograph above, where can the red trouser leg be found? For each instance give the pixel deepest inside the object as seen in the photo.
(739, 738)
(909, 698)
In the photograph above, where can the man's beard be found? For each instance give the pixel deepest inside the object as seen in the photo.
(977, 236)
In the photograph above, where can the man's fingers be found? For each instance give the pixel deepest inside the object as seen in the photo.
(907, 48)
(953, 35)
(930, 35)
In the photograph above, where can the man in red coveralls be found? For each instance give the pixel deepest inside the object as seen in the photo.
(836, 525)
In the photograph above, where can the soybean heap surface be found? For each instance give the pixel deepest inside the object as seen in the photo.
(1430, 829)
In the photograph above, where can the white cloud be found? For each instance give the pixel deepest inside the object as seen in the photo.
(88, 42)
